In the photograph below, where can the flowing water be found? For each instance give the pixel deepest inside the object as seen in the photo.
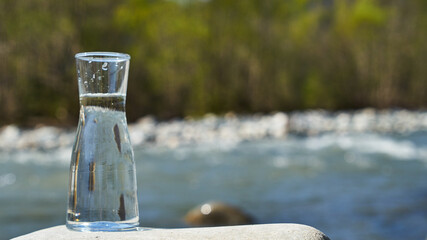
(350, 186)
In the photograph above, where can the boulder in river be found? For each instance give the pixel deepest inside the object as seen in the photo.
(217, 214)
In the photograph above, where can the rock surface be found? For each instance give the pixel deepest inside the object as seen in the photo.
(262, 231)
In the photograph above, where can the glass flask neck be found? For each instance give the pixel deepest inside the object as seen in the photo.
(102, 73)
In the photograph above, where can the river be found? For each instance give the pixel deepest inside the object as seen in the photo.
(350, 185)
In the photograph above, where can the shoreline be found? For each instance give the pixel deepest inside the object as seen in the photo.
(228, 129)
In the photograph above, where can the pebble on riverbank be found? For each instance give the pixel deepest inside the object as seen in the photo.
(229, 129)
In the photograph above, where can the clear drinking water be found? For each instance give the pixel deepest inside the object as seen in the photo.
(103, 192)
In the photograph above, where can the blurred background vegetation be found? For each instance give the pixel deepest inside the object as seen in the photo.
(193, 57)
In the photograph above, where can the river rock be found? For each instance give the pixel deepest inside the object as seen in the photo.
(229, 130)
(9, 135)
(217, 214)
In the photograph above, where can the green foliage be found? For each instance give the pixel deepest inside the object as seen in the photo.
(360, 18)
(190, 57)
(166, 41)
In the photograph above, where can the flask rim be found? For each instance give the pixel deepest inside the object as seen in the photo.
(102, 56)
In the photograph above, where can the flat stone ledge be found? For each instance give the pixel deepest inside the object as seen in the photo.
(260, 231)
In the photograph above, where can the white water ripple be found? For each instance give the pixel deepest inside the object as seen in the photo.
(369, 144)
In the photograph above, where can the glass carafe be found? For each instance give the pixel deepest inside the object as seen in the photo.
(102, 189)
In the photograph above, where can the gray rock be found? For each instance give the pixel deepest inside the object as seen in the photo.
(262, 231)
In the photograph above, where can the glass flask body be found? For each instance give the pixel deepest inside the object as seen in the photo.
(102, 189)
